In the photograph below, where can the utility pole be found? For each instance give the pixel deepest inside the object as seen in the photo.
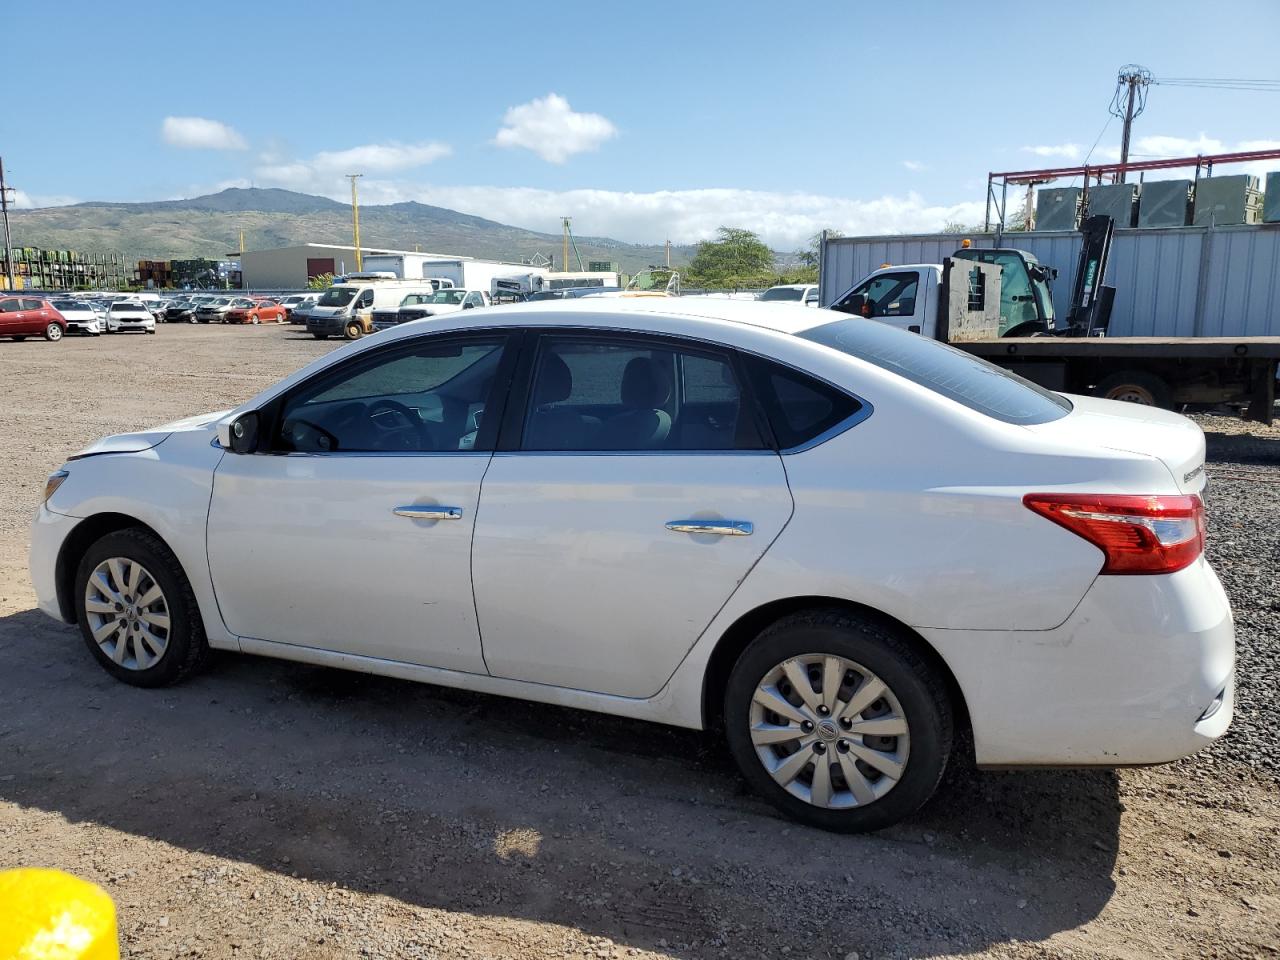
(564, 256)
(668, 254)
(355, 216)
(4, 212)
(1129, 101)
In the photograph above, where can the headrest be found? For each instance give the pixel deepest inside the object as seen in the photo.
(644, 384)
(555, 382)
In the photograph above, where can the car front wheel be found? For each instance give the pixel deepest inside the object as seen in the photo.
(838, 721)
(136, 610)
(53, 332)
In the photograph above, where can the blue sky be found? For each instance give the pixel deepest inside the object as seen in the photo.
(641, 121)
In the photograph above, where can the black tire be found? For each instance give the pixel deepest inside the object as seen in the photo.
(187, 648)
(19, 339)
(353, 330)
(321, 336)
(917, 686)
(1135, 386)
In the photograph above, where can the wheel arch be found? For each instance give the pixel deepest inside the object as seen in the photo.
(86, 533)
(748, 626)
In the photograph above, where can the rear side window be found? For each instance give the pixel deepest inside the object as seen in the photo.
(800, 408)
(32, 304)
(952, 373)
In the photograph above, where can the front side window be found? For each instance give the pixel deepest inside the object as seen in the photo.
(10, 306)
(886, 295)
(429, 398)
(604, 394)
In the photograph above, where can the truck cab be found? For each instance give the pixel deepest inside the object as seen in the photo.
(910, 295)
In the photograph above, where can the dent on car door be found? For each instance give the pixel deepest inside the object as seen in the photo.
(631, 493)
(351, 530)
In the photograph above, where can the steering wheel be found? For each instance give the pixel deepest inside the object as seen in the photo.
(413, 434)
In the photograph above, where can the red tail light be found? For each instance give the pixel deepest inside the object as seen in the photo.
(1137, 534)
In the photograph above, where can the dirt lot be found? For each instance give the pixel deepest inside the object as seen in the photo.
(276, 810)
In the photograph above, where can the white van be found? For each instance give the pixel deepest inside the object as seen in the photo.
(347, 308)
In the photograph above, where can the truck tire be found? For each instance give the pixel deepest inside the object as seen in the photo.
(353, 330)
(321, 336)
(1135, 386)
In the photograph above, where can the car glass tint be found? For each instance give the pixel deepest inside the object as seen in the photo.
(800, 408)
(427, 400)
(781, 293)
(949, 372)
(619, 395)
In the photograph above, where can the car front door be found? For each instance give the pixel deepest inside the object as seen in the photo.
(888, 297)
(10, 316)
(634, 494)
(351, 530)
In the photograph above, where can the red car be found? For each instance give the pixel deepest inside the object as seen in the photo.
(254, 311)
(22, 317)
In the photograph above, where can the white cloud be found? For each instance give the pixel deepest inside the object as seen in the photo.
(784, 220)
(1066, 151)
(31, 201)
(200, 133)
(914, 165)
(323, 172)
(551, 129)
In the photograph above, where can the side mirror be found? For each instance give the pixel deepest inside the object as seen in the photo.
(243, 433)
(855, 305)
(467, 306)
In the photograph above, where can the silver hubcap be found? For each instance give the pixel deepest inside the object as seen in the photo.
(55, 332)
(128, 613)
(829, 731)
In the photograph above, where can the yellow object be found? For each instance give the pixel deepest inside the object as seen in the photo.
(355, 218)
(966, 243)
(51, 915)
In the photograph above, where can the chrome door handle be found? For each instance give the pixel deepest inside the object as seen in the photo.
(429, 512)
(719, 528)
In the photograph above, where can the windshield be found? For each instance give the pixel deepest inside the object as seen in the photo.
(448, 296)
(952, 373)
(337, 297)
(782, 293)
(66, 305)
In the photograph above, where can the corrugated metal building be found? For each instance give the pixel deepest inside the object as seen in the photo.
(1174, 282)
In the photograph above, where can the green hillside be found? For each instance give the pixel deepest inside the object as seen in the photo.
(210, 227)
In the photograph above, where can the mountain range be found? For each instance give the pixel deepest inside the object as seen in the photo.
(210, 226)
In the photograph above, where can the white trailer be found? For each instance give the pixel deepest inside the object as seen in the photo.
(463, 272)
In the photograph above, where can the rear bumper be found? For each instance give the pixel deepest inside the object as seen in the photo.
(1142, 672)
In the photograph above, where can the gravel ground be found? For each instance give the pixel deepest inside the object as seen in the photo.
(267, 809)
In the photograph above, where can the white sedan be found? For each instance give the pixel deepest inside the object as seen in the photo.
(839, 544)
(126, 315)
(81, 317)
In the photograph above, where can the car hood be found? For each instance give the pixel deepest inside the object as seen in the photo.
(146, 439)
(1171, 438)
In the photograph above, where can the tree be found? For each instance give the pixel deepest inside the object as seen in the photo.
(735, 254)
(321, 281)
(811, 255)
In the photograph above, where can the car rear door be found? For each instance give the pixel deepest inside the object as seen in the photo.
(630, 495)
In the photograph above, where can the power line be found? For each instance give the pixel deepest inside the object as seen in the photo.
(1219, 83)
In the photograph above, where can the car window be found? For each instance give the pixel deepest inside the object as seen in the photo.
(429, 398)
(800, 408)
(28, 304)
(366, 299)
(939, 367)
(781, 293)
(604, 394)
(887, 295)
(10, 306)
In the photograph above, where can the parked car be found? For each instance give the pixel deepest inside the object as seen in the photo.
(300, 312)
(836, 541)
(290, 303)
(22, 317)
(254, 311)
(126, 315)
(415, 306)
(449, 300)
(806, 293)
(180, 311)
(81, 317)
(213, 311)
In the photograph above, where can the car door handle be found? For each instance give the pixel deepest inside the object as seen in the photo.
(429, 512)
(719, 528)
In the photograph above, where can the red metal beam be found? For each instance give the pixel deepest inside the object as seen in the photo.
(1098, 169)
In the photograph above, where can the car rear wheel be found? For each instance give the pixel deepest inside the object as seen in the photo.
(137, 612)
(353, 330)
(838, 721)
